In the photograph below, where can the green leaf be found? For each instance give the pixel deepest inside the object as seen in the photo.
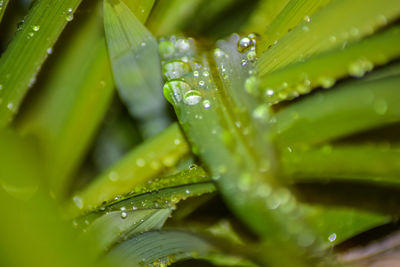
(146, 208)
(21, 62)
(265, 13)
(137, 167)
(325, 31)
(291, 15)
(326, 68)
(3, 6)
(169, 16)
(370, 163)
(136, 66)
(32, 224)
(348, 109)
(243, 172)
(160, 249)
(69, 111)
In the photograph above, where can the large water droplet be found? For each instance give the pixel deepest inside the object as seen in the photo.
(173, 91)
(244, 44)
(175, 69)
(166, 48)
(192, 97)
(36, 28)
(182, 45)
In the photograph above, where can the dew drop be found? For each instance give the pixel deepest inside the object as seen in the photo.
(10, 106)
(252, 56)
(270, 92)
(359, 67)
(182, 45)
(166, 48)
(192, 97)
(202, 83)
(175, 69)
(69, 17)
(78, 201)
(36, 28)
(173, 91)
(124, 215)
(218, 53)
(140, 162)
(196, 73)
(49, 50)
(326, 82)
(251, 84)
(307, 19)
(332, 237)
(206, 104)
(261, 112)
(244, 44)
(113, 176)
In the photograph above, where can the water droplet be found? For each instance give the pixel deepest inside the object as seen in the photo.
(10, 106)
(196, 73)
(140, 162)
(202, 83)
(134, 208)
(251, 84)
(261, 112)
(382, 20)
(49, 50)
(192, 97)
(175, 69)
(206, 104)
(326, 82)
(177, 141)
(332, 237)
(182, 45)
(354, 32)
(69, 17)
(270, 92)
(36, 28)
(70, 10)
(166, 48)
(359, 67)
(218, 53)
(124, 215)
(206, 74)
(187, 191)
(173, 91)
(252, 56)
(244, 44)
(113, 176)
(307, 19)
(332, 39)
(78, 201)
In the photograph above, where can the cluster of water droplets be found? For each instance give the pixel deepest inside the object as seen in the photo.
(185, 76)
